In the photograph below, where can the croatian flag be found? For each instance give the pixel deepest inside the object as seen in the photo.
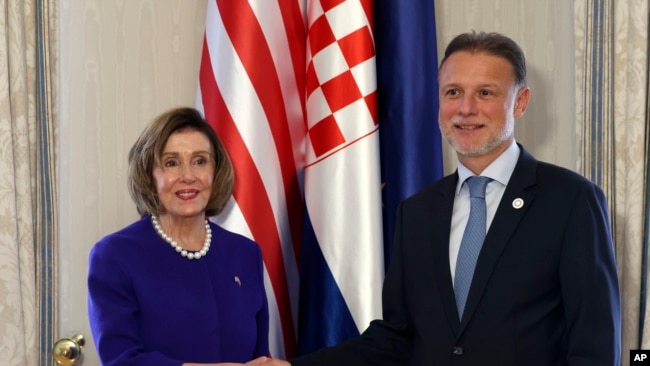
(290, 87)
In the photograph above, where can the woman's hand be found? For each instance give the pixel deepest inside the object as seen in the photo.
(264, 361)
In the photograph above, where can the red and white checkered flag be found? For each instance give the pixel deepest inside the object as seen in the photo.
(340, 82)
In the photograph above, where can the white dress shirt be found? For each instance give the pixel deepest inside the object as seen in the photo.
(500, 171)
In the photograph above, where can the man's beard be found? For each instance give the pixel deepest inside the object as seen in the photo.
(492, 142)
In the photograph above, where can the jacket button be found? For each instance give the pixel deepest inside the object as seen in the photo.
(457, 351)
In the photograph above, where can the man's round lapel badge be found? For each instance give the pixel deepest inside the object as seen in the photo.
(517, 203)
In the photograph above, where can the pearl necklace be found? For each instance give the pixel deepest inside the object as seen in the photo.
(174, 244)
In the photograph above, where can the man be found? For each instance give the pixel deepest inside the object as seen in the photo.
(544, 289)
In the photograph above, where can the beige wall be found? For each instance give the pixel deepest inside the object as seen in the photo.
(544, 30)
(124, 61)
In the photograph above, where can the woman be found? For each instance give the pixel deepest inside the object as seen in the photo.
(174, 288)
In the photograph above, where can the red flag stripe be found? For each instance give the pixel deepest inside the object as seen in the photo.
(295, 28)
(249, 42)
(288, 52)
(368, 10)
(249, 193)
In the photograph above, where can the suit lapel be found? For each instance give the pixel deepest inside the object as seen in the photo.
(441, 209)
(512, 208)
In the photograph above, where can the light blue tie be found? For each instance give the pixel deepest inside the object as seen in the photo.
(470, 245)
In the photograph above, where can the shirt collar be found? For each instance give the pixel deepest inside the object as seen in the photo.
(499, 170)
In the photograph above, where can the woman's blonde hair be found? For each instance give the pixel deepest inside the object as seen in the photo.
(148, 149)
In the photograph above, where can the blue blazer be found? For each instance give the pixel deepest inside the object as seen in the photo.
(545, 289)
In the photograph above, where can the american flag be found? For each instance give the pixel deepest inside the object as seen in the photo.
(290, 87)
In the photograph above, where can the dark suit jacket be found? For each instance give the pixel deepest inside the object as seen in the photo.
(545, 289)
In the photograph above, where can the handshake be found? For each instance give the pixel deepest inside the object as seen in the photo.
(260, 361)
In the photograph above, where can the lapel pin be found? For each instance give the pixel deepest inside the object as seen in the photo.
(517, 203)
(237, 281)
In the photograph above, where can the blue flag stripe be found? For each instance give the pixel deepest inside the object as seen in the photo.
(331, 321)
(407, 87)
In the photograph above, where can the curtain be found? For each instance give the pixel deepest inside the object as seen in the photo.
(612, 131)
(17, 162)
(45, 204)
(25, 183)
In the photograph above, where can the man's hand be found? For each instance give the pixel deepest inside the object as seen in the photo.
(267, 361)
(263, 361)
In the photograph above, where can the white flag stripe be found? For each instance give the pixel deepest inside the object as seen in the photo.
(233, 219)
(199, 101)
(346, 228)
(276, 338)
